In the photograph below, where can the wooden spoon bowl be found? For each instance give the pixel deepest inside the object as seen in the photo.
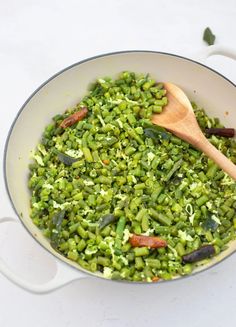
(178, 117)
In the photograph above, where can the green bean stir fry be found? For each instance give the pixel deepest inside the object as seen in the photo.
(127, 199)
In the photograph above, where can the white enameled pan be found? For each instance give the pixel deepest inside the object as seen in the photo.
(203, 85)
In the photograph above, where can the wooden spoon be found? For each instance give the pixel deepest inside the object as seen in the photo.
(178, 117)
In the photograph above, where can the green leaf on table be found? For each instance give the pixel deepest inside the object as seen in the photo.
(208, 36)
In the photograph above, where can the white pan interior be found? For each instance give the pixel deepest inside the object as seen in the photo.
(202, 85)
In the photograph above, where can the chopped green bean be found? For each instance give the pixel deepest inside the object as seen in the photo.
(113, 174)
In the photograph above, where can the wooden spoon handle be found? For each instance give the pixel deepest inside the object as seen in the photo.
(221, 160)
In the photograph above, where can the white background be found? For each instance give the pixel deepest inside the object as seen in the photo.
(38, 38)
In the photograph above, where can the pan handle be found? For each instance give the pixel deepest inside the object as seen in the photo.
(212, 51)
(64, 274)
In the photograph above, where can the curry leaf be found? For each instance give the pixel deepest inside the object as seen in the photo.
(208, 36)
(176, 166)
(210, 224)
(106, 220)
(67, 160)
(55, 228)
(177, 179)
(156, 133)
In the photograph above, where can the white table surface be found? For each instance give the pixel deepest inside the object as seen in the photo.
(37, 39)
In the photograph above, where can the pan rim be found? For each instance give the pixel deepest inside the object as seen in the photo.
(29, 99)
